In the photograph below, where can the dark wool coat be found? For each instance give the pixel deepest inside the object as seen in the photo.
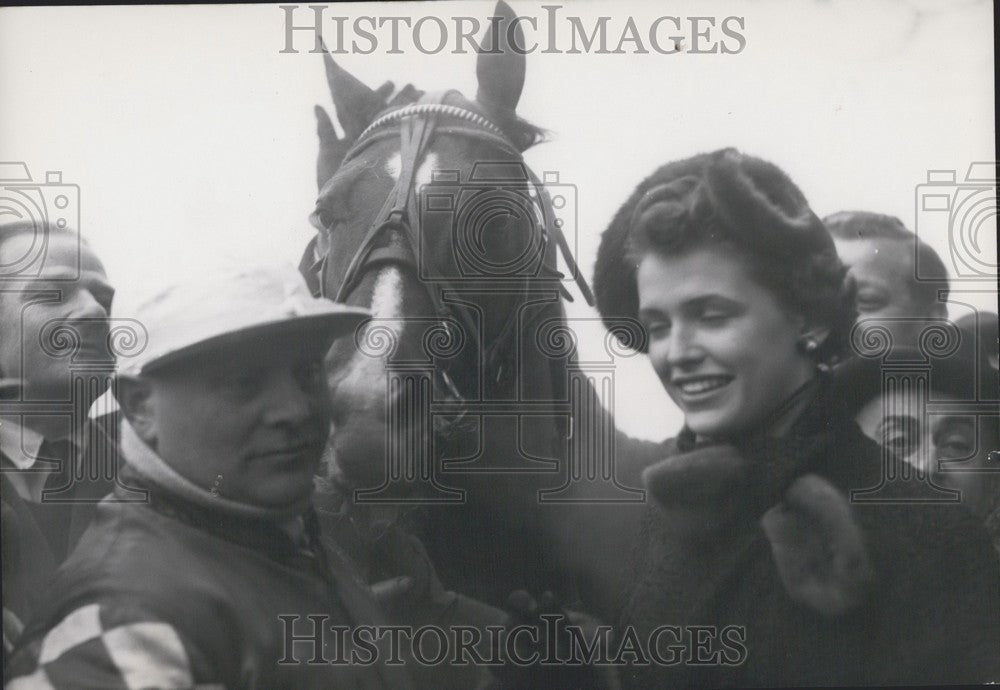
(920, 605)
(37, 537)
(173, 590)
(27, 558)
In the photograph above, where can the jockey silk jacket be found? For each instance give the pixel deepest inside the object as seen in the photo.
(171, 593)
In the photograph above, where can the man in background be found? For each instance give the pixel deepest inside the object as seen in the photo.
(54, 305)
(881, 255)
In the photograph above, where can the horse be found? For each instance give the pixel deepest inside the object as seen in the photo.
(454, 407)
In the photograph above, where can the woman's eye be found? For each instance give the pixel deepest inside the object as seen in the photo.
(714, 317)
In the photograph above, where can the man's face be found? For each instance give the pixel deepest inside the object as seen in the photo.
(246, 421)
(27, 315)
(883, 272)
(952, 449)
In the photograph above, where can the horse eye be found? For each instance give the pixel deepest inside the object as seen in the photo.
(327, 219)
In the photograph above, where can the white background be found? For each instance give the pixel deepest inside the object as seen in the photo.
(192, 138)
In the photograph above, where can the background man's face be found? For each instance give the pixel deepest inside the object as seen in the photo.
(900, 423)
(26, 315)
(248, 422)
(883, 272)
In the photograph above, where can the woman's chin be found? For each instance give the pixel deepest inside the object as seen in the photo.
(709, 424)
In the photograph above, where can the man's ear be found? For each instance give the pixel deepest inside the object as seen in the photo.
(135, 396)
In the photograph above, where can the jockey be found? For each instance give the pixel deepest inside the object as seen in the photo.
(210, 582)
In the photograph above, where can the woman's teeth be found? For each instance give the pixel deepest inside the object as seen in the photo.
(703, 385)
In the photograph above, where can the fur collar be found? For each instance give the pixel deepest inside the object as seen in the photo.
(710, 494)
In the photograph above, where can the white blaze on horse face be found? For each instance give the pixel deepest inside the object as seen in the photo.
(387, 297)
(394, 166)
(386, 307)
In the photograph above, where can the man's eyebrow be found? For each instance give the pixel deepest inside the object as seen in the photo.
(37, 284)
(954, 419)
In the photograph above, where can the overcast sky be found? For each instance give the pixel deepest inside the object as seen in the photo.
(191, 136)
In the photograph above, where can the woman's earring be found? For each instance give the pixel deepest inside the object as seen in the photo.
(809, 345)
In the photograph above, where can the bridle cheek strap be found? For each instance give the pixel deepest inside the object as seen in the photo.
(552, 229)
(414, 135)
(398, 214)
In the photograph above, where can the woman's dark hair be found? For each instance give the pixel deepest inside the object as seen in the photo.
(730, 199)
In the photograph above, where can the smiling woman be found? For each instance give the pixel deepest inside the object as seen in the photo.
(746, 307)
(726, 351)
(738, 285)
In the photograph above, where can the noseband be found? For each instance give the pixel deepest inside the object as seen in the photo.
(417, 123)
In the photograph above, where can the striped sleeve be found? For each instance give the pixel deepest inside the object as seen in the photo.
(94, 647)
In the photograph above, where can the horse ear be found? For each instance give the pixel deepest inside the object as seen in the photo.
(332, 148)
(500, 68)
(355, 103)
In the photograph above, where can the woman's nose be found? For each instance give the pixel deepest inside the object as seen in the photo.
(682, 348)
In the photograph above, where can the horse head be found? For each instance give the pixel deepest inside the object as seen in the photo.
(428, 216)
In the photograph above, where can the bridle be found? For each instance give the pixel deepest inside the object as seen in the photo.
(417, 124)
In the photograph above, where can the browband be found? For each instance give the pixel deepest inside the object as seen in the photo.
(415, 109)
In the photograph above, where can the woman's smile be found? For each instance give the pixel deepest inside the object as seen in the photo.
(694, 389)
